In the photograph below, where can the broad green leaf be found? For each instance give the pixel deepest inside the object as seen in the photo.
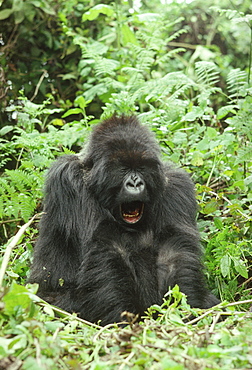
(18, 296)
(72, 111)
(210, 207)
(203, 144)
(57, 122)
(195, 113)
(17, 5)
(19, 16)
(5, 13)
(225, 265)
(211, 132)
(82, 103)
(5, 130)
(175, 318)
(4, 347)
(69, 76)
(94, 12)
(240, 267)
(128, 36)
(248, 180)
(218, 223)
(52, 326)
(48, 309)
(223, 111)
(242, 270)
(197, 159)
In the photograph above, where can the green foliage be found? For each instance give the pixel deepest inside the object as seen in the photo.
(75, 62)
(36, 339)
(19, 193)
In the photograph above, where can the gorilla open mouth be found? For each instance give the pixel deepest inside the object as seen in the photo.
(132, 212)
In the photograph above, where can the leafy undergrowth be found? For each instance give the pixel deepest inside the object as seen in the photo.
(32, 337)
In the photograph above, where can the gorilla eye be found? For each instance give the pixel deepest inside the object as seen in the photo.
(132, 212)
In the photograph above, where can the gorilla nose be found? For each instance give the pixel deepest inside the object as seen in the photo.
(134, 184)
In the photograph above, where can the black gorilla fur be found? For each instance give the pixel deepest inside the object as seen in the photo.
(119, 228)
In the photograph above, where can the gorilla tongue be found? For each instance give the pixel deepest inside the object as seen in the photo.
(132, 212)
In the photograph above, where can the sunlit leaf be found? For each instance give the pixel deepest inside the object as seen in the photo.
(225, 263)
(94, 12)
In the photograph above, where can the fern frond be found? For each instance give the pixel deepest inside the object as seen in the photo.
(123, 102)
(207, 73)
(26, 205)
(176, 35)
(155, 38)
(131, 71)
(105, 67)
(208, 77)
(145, 58)
(236, 82)
(22, 179)
(170, 86)
(229, 13)
(6, 188)
(5, 191)
(19, 191)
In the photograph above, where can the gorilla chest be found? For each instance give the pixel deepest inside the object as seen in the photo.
(139, 254)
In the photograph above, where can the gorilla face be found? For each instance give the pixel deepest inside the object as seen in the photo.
(127, 189)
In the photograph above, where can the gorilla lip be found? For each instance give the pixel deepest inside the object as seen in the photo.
(132, 212)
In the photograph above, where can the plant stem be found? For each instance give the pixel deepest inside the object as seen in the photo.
(250, 56)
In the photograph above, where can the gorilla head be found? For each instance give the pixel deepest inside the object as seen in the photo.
(125, 169)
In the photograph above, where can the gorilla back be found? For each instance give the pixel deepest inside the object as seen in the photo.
(118, 229)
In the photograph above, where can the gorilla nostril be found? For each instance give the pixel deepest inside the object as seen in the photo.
(134, 184)
(139, 184)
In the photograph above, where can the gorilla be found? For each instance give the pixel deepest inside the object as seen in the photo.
(118, 228)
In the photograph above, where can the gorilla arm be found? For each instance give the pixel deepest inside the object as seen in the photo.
(177, 264)
(56, 255)
(180, 254)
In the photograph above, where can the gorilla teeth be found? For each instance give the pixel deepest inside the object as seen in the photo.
(132, 212)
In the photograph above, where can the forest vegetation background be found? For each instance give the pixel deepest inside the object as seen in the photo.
(184, 68)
